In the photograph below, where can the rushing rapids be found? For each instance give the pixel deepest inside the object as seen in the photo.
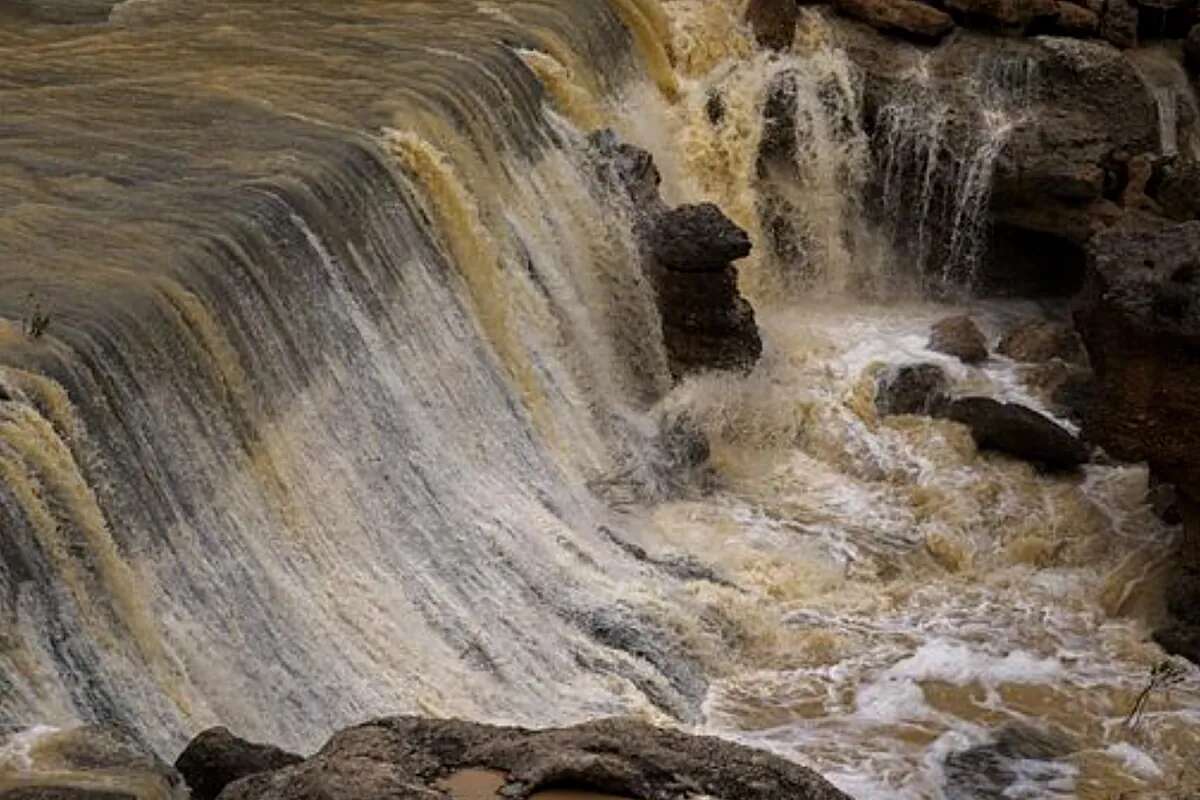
(331, 387)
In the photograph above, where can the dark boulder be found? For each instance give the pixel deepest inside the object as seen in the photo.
(1191, 50)
(912, 389)
(1011, 15)
(697, 238)
(959, 337)
(1038, 341)
(217, 758)
(1180, 639)
(906, 18)
(1018, 431)
(1119, 23)
(1177, 190)
(407, 757)
(1139, 315)
(628, 169)
(773, 22)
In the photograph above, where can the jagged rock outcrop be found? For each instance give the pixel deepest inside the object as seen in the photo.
(907, 18)
(1038, 341)
(912, 389)
(1139, 315)
(689, 253)
(960, 337)
(216, 758)
(773, 22)
(408, 757)
(1018, 431)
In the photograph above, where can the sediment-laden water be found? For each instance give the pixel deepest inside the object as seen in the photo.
(351, 394)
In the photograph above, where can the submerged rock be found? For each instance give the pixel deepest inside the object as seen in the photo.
(959, 337)
(907, 18)
(1018, 755)
(216, 758)
(912, 389)
(773, 22)
(1018, 431)
(409, 757)
(1013, 15)
(1038, 341)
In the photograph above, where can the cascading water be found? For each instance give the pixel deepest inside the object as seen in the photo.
(350, 401)
(937, 160)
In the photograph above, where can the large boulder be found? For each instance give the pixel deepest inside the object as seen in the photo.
(688, 254)
(1018, 431)
(399, 758)
(906, 18)
(217, 758)
(1139, 315)
(1075, 20)
(773, 22)
(697, 238)
(960, 337)
(1038, 341)
(912, 389)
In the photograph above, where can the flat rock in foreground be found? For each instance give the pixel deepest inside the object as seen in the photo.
(409, 757)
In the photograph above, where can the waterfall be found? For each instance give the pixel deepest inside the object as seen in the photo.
(937, 159)
(332, 386)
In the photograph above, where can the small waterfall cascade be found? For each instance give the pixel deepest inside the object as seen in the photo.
(936, 160)
(1178, 113)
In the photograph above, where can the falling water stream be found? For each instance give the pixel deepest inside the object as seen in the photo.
(351, 399)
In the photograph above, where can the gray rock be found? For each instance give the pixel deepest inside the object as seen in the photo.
(403, 757)
(912, 389)
(1018, 431)
(990, 771)
(216, 758)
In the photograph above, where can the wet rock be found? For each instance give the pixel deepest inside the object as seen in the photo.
(1191, 50)
(912, 389)
(1012, 15)
(707, 324)
(1019, 754)
(1164, 502)
(1180, 640)
(1018, 431)
(683, 441)
(216, 758)
(1119, 23)
(688, 254)
(629, 169)
(1178, 190)
(697, 238)
(1038, 341)
(1074, 20)
(907, 18)
(773, 22)
(92, 762)
(959, 337)
(1139, 315)
(405, 757)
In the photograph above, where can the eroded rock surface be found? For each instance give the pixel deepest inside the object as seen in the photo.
(399, 758)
